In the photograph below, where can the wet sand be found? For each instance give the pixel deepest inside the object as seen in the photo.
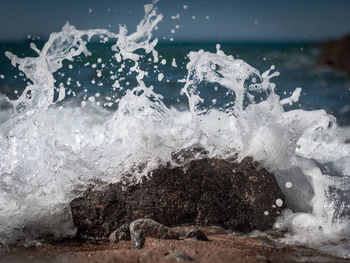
(222, 247)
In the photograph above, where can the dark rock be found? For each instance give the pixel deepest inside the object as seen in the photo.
(197, 234)
(206, 192)
(151, 228)
(98, 213)
(179, 256)
(120, 234)
(137, 239)
(336, 54)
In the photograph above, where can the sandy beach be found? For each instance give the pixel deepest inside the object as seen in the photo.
(224, 246)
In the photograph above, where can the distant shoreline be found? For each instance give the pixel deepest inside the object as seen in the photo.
(336, 53)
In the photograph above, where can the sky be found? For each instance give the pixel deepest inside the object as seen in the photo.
(217, 20)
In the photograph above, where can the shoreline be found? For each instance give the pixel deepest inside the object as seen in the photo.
(224, 246)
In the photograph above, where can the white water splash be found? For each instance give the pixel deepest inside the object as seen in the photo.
(49, 153)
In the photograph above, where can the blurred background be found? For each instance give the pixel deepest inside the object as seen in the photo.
(292, 35)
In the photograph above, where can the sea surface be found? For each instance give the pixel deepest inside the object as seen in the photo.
(298, 64)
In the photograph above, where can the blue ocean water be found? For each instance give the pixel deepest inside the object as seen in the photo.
(322, 88)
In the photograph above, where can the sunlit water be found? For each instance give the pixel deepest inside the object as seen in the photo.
(95, 104)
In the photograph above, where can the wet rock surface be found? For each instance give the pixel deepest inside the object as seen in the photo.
(120, 234)
(336, 54)
(151, 228)
(209, 191)
(197, 234)
(137, 239)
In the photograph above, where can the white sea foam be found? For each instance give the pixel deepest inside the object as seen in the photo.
(49, 153)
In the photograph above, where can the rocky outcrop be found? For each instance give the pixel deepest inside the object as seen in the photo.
(239, 196)
(336, 54)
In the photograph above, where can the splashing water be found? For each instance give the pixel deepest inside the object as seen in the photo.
(50, 152)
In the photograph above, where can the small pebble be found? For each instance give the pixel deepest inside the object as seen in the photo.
(120, 234)
(153, 229)
(138, 239)
(197, 234)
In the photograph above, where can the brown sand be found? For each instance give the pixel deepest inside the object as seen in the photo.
(222, 247)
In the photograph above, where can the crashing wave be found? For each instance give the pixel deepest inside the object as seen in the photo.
(50, 152)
